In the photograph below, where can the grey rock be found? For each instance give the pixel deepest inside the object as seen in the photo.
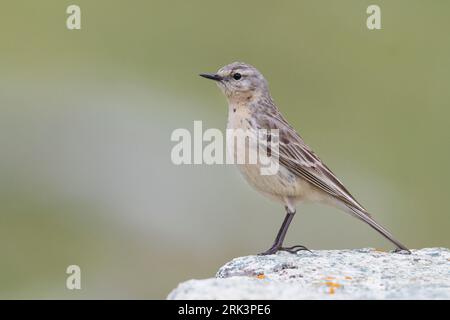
(328, 274)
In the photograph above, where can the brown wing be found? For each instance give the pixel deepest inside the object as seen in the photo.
(298, 158)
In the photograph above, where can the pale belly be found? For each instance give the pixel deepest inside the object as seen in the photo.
(283, 186)
(279, 186)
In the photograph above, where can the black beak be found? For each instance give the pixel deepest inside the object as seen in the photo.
(211, 76)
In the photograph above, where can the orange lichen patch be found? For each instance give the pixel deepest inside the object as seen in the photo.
(261, 276)
(332, 286)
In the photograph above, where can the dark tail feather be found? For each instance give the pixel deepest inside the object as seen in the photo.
(364, 216)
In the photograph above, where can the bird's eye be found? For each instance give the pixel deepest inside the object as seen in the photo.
(237, 76)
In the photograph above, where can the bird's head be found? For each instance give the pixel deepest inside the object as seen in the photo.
(239, 80)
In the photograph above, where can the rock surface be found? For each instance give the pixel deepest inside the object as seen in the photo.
(328, 274)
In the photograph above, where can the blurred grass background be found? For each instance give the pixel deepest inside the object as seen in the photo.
(86, 118)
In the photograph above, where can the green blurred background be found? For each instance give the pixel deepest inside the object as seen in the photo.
(86, 118)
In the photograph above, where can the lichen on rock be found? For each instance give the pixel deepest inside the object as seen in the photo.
(328, 274)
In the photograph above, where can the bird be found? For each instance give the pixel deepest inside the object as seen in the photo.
(301, 175)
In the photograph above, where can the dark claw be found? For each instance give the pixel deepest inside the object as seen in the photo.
(293, 250)
(401, 251)
(272, 250)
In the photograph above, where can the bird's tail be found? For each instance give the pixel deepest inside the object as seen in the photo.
(365, 216)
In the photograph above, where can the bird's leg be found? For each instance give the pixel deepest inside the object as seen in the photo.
(281, 234)
(278, 243)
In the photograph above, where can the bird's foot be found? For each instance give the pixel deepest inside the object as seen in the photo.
(401, 251)
(275, 249)
(269, 251)
(295, 249)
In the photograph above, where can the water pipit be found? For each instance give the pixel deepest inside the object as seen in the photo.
(301, 176)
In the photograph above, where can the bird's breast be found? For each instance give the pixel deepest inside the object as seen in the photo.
(239, 117)
(277, 186)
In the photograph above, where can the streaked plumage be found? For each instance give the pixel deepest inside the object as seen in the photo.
(302, 175)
